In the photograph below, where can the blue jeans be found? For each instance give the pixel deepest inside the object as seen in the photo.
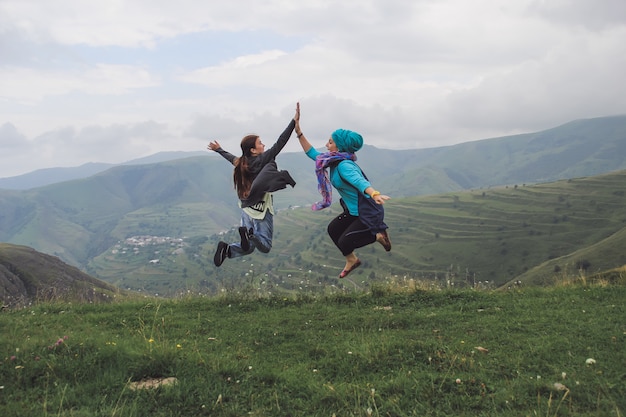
(262, 229)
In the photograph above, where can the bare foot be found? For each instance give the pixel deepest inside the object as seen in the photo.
(383, 239)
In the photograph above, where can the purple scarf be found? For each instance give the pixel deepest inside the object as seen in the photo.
(324, 186)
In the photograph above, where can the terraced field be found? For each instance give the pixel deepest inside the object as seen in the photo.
(484, 237)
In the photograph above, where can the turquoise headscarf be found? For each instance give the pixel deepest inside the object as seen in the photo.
(347, 140)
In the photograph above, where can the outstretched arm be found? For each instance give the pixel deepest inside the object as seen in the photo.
(376, 195)
(215, 146)
(306, 145)
(272, 152)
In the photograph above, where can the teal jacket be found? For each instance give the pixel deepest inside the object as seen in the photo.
(347, 178)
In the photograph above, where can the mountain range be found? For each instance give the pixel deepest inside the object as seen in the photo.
(579, 148)
(190, 195)
(47, 176)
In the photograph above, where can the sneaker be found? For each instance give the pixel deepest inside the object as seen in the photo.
(245, 243)
(383, 239)
(257, 244)
(221, 253)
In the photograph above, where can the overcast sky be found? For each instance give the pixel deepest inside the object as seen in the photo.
(109, 81)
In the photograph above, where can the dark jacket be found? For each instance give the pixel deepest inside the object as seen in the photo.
(267, 177)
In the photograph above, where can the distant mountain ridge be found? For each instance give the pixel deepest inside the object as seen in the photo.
(47, 176)
(578, 148)
(79, 220)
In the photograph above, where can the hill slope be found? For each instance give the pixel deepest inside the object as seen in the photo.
(533, 233)
(467, 238)
(27, 275)
(599, 258)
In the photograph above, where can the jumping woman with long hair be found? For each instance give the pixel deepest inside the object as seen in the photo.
(255, 177)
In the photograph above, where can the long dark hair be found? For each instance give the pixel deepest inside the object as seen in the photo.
(241, 175)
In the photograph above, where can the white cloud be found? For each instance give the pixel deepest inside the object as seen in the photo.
(236, 71)
(593, 15)
(68, 146)
(11, 139)
(553, 89)
(27, 85)
(422, 73)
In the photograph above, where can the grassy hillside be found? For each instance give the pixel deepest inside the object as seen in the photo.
(392, 352)
(580, 148)
(606, 255)
(28, 276)
(487, 238)
(492, 234)
(483, 238)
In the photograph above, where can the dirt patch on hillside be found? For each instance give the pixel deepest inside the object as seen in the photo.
(151, 383)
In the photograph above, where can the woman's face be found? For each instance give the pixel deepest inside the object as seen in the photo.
(259, 147)
(331, 145)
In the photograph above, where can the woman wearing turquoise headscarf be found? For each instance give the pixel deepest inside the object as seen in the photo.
(337, 168)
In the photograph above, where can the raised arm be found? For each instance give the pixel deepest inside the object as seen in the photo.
(306, 145)
(272, 152)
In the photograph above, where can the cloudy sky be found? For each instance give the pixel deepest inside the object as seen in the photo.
(109, 81)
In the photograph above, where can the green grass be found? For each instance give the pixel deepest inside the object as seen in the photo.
(397, 350)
